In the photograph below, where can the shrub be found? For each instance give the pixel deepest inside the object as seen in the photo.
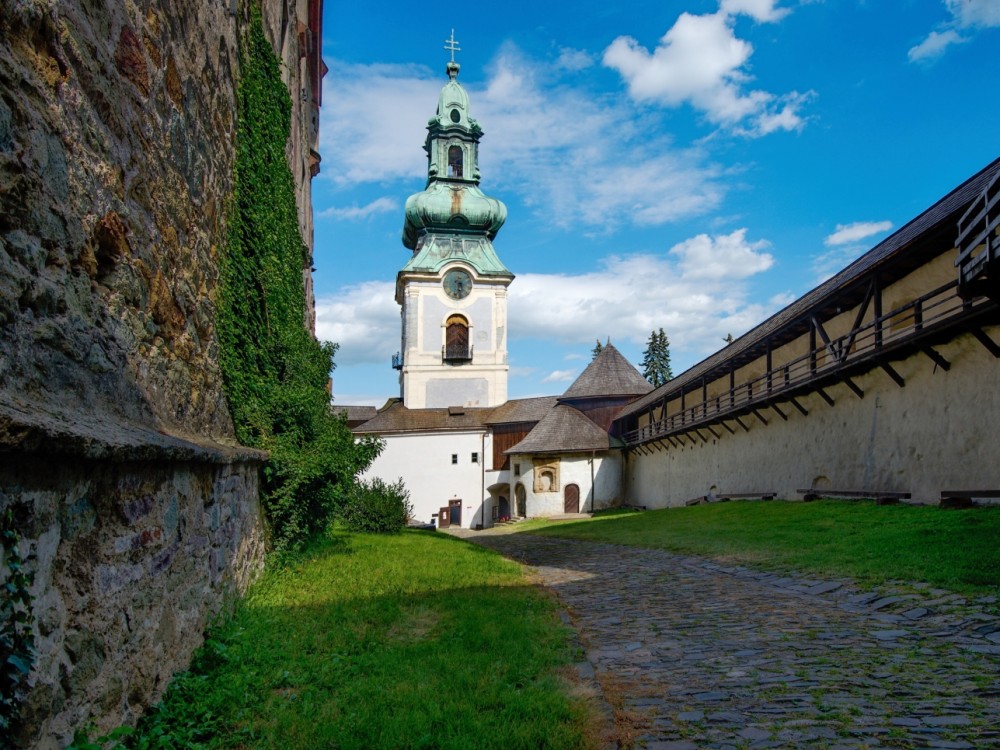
(377, 507)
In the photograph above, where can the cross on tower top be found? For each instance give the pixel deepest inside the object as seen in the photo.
(452, 46)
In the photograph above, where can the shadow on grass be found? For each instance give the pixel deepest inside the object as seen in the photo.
(410, 641)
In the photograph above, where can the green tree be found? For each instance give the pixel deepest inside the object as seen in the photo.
(598, 347)
(656, 359)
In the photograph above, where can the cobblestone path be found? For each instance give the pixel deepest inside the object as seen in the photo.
(695, 654)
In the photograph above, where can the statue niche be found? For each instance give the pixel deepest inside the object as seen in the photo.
(546, 475)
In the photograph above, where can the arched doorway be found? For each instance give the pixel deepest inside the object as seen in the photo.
(520, 500)
(571, 499)
(503, 507)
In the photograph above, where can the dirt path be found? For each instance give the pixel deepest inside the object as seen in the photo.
(693, 654)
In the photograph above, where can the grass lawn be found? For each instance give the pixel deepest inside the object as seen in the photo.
(417, 640)
(956, 549)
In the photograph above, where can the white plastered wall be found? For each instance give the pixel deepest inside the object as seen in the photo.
(423, 460)
(597, 490)
(939, 432)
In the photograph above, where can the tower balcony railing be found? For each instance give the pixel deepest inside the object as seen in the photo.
(456, 354)
(397, 361)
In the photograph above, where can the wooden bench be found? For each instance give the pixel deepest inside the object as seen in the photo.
(956, 499)
(725, 497)
(880, 498)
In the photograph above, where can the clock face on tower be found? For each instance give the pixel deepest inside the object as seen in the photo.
(457, 283)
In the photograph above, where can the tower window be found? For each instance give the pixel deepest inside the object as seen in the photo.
(456, 116)
(475, 458)
(455, 157)
(454, 458)
(456, 346)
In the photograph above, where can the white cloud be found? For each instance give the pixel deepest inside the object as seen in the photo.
(363, 319)
(727, 256)
(560, 376)
(966, 15)
(355, 212)
(764, 11)
(700, 61)
(934, 45)
(360, 136)
(972, 13)
(574, 59)
(859, 230)
(697, 292)
(552, 136)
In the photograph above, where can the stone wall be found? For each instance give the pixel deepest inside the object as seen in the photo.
(936, 433)
(116, 444)
(131, 560)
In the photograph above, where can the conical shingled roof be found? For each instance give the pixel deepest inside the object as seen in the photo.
(563, 430)
(610, 374)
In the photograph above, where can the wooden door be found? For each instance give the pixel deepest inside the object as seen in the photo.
(455, 512)
(444, 517)
(520, 498)
(571, 499)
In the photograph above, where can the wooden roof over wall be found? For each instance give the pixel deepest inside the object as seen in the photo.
(897, 255)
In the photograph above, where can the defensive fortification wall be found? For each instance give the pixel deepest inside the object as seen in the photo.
(138, 513)
(933, 434)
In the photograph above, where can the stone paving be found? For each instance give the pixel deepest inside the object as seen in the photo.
(692, 654)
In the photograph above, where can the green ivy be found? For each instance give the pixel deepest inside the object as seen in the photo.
(275, 372)
(17, 644)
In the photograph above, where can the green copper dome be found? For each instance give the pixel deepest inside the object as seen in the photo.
(452, 219)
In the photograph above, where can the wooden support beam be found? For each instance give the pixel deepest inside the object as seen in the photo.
(779, 411)
(758, 415)
(740, 423)
(770, 374)
(851, 384)
(987, 342)
(731, 430)
(818, 326)
(858, 320)
(714, 433)
(825, 396)
(812, 349)
(798, 406)
(891, 372)
(937, 358)
(703, 438)
(877, 299)
(672, 442)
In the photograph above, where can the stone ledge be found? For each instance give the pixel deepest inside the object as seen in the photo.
(30, 428)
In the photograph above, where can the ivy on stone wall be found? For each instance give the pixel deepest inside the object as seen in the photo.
(275, 372)
(17, 644)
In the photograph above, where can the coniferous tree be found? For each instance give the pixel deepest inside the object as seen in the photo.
(598, 348)
(656, 359)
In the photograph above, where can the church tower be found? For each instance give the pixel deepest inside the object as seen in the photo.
(453, 290)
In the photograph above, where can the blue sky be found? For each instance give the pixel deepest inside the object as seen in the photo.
(688, 165)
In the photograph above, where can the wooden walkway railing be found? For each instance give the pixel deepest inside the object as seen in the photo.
(890, 335)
